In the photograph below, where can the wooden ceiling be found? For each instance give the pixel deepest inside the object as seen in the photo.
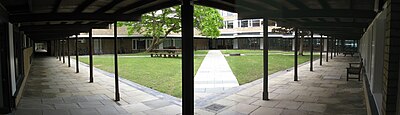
(45, 19)
(56, 19)
(345, 19)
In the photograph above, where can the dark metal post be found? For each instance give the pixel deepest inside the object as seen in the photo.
(296, 40)
(343, 45)
(337, 42)
(117, 97)
(327, 49)
(265, 57)
(90, 57)
(77, 54)
(187, 57)
(332, 47)
(63, 49)
(68, 53)
(59, 50)
(55, 49)
(312, 51)
(321, 42)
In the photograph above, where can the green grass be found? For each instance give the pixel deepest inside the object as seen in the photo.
(162, 74)
(250, 68)
(249, 52)
(201, 52)
(148, 53)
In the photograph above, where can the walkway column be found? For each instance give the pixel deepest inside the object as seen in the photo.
(63, 49)
(332, 47)
(68, 53)
(59, 50)
(343, 45)
(312, 51)
(187, 58)
(265, 57)
(321, 42)
(327, 49)
(55, 48)
(296, 40)
(117, 97)
(337, 42)
(76, 53)
(90, 57)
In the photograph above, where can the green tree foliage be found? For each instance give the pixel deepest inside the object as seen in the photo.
(159, 24)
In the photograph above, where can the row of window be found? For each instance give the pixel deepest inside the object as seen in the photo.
(228, 24)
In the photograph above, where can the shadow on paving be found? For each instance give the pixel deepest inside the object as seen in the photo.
(312, 94)
(55, 89)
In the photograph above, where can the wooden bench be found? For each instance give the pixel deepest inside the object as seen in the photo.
(165, 53)
(354, 70)
(350, 53)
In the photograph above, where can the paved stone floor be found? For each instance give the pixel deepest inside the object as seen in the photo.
(323, 91)
(54, 89)
(214, 75)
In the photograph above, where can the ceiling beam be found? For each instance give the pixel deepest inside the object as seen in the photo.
(166, 4)
(324, 4)
(329, 24)
(72, 16)
(32, 35)
(350, 30)
(56, 5)
(83, 6)
(298, 4)
(336, 13)
(49, 37)
(133, 6)
(108, 6)
(262, 5)
(61, 26)
(215, 5)
(3, 13)
(66, 29)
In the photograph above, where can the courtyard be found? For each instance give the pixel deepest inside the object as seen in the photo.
(164, 74)
(54, 88)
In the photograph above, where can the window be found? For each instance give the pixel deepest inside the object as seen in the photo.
(244, 23)
(229, 24)
(256, 23)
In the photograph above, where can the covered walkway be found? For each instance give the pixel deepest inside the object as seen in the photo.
(322, 91)
(54, 89)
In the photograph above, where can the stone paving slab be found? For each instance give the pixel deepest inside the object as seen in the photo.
(54, 88)
(311, 95)
(214, 74)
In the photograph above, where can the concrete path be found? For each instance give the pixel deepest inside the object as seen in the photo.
(214, 74)
(53, 88)
(314, 94)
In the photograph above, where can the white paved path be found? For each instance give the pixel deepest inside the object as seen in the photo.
(214, 74)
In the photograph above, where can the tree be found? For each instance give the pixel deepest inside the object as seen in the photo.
(290, 31)
(159, 24)
(301, 49)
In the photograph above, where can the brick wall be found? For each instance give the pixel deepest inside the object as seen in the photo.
(391, 58)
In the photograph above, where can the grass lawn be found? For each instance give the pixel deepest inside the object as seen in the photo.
(148, 53)
(161, 74)
(250, 68)
(164, 74)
